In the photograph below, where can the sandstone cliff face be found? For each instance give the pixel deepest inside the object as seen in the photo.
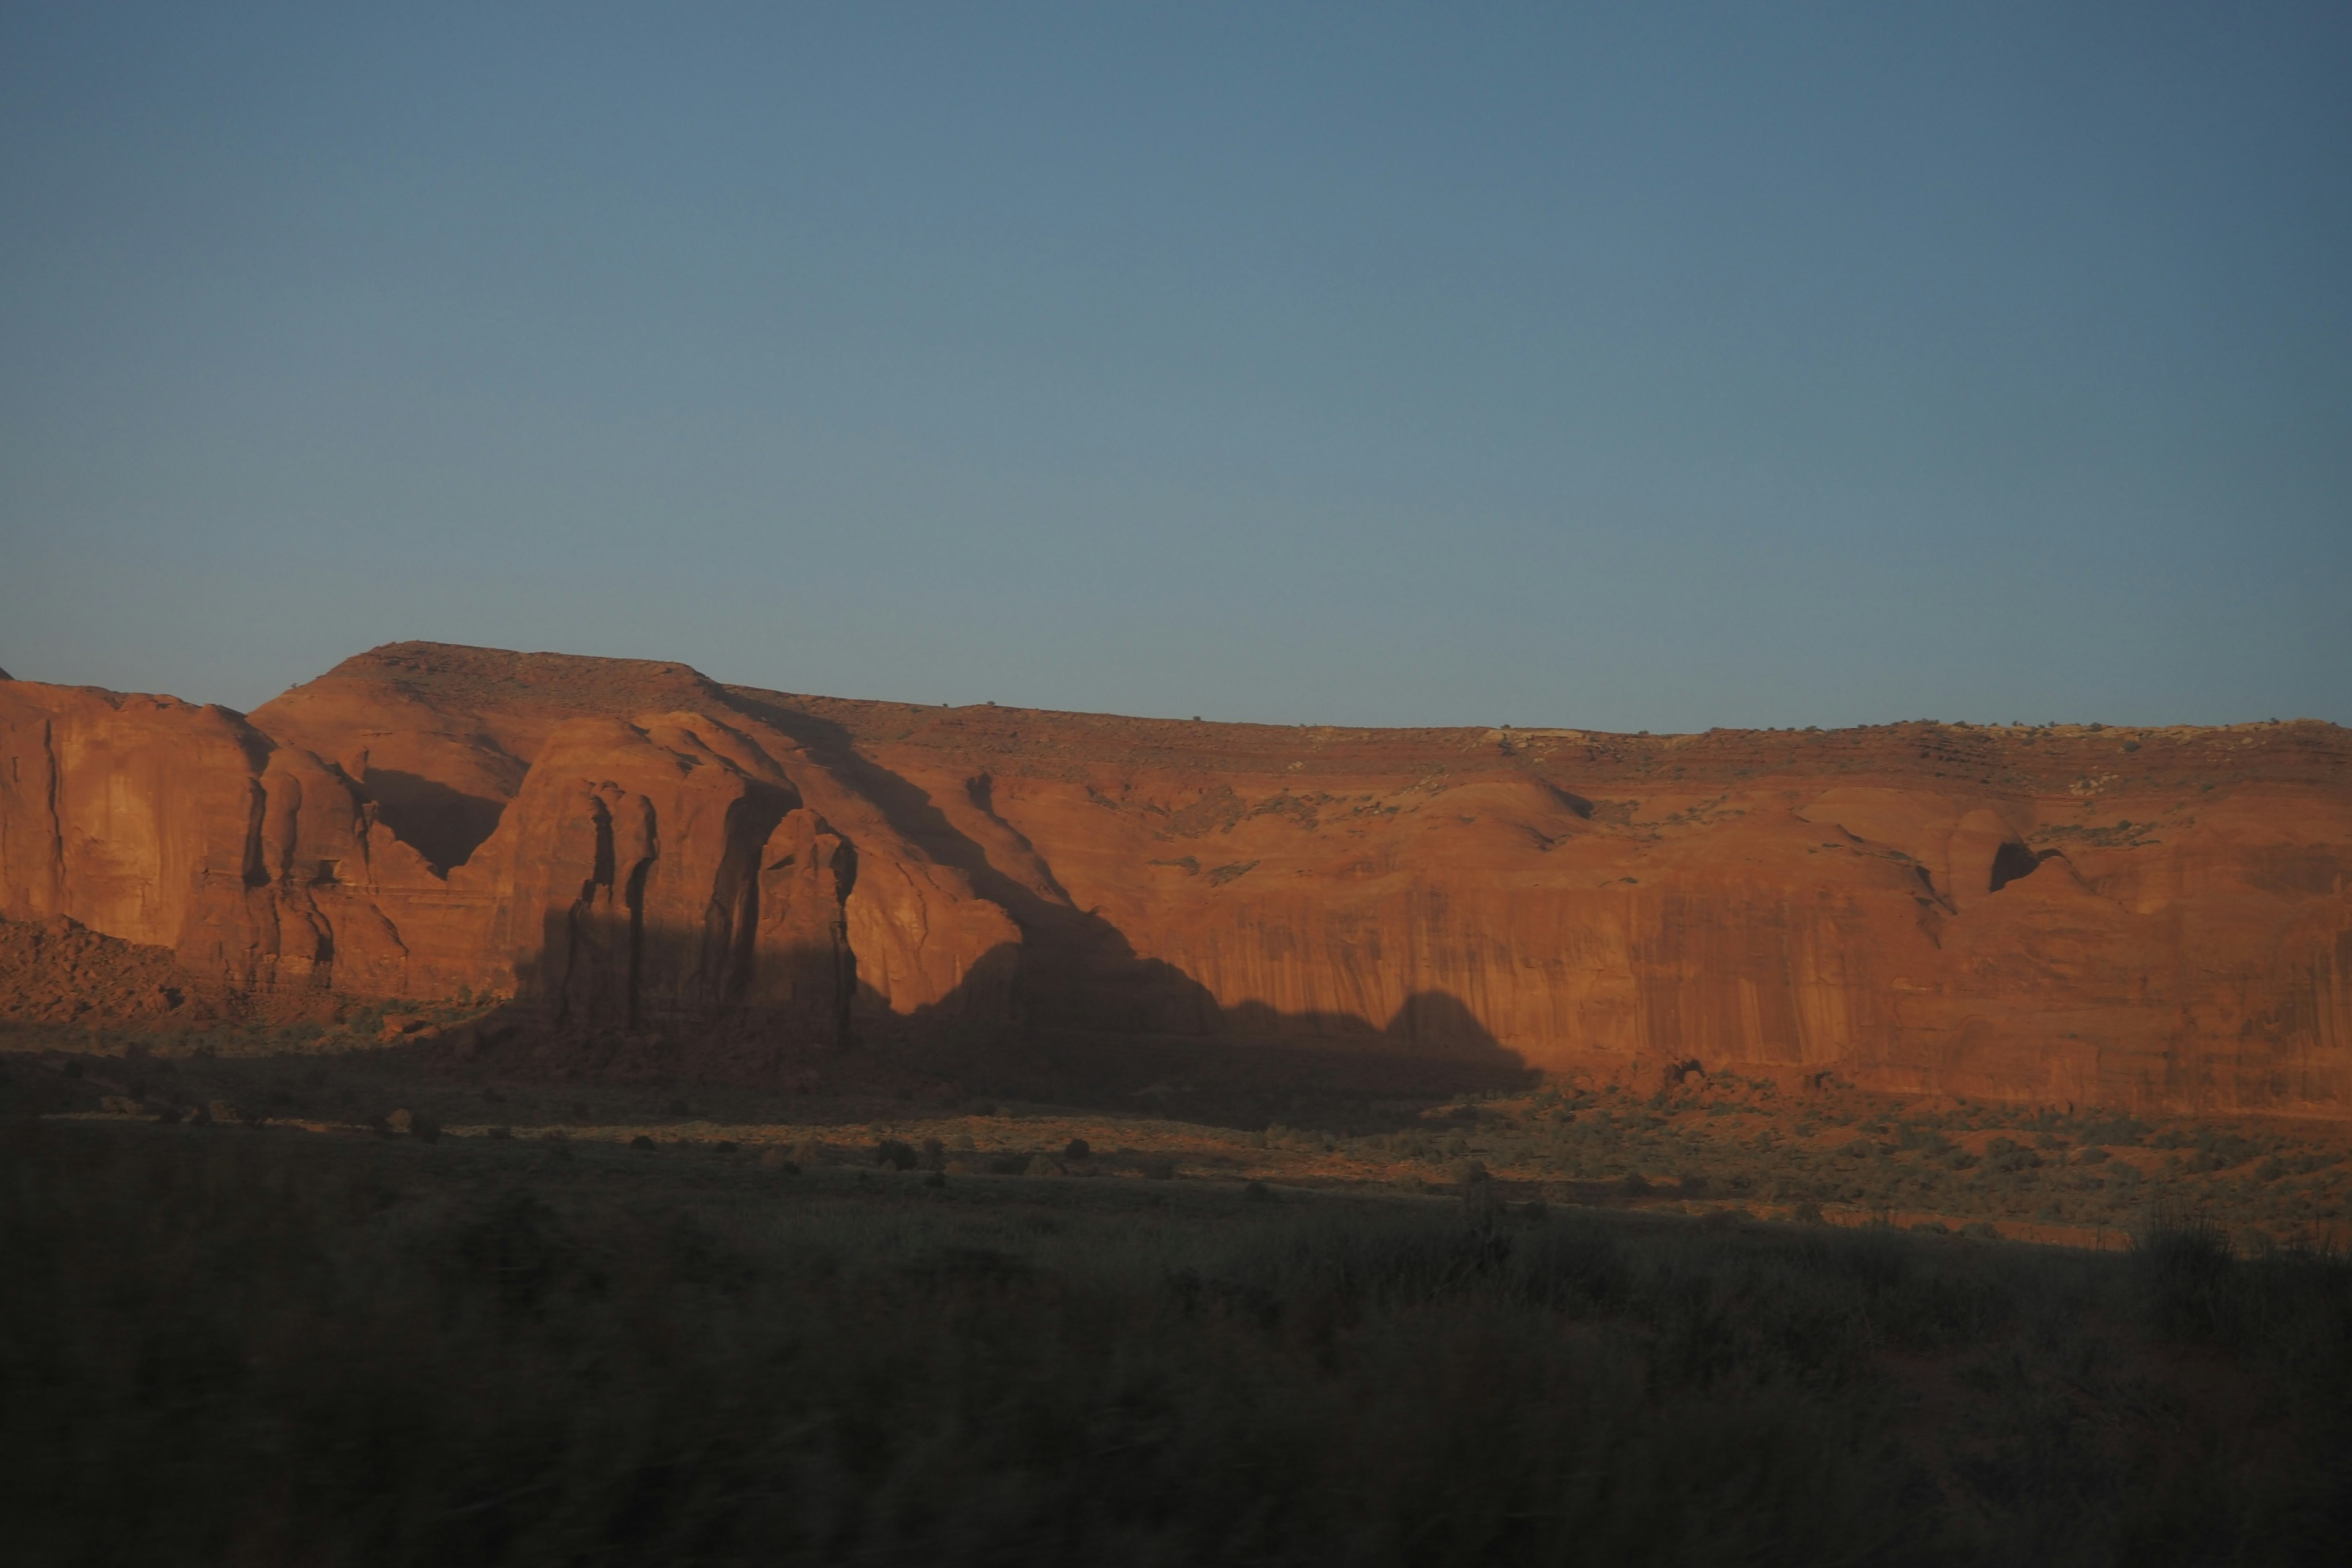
(2141, 917)
(120, 812)
(494, 760)
(162, 823)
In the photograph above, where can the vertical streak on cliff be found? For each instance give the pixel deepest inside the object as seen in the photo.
(844, 863)
(1423, 911)
(743, 936)
(56, 826)
(731, 918)
(579, 937)
(649, 841)
(255, 871)
(636, 901)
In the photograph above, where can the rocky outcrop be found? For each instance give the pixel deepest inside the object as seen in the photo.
(2154, 918)
(691, 882)
(56, 970)
(175, 826)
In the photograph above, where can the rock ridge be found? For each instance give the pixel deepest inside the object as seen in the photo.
(2140, 916)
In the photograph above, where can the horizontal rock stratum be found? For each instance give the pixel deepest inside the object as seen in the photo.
(2150, 918)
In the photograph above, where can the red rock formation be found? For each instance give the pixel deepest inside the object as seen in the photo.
(2154, 918)
(162, 823)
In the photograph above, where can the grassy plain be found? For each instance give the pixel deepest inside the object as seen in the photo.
(2083, 1177)
(245, 1320)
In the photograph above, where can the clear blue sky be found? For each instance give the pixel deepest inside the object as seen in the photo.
(1631, 367)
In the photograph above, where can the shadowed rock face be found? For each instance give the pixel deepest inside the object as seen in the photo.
(2151, 918)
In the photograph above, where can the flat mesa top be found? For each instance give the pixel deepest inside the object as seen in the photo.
(553, 684)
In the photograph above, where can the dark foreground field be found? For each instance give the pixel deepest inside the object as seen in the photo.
(242, 1344)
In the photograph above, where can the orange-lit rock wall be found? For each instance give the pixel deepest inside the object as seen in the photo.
(2200, 958)
(2153, 918)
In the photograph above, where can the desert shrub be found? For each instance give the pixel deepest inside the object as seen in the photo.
(2188, 1275)
(1077, 1149)
(895, 1153)
(2115, 1131)
(1482, 1203)
(2006, 1156)
(2225, 1149)
(514, 1252)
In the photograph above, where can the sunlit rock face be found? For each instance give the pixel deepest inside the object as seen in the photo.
(2151, 918)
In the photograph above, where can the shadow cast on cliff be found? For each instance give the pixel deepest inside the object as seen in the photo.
(442, 824)
(1070, 1014)
(1250, 1064)
(1254, 1064)
(1077, 970)
(1093, 1018)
